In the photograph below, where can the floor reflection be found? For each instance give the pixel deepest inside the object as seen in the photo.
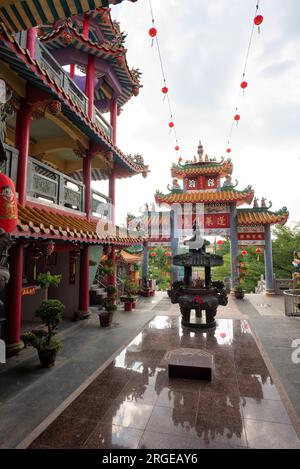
(133, 400)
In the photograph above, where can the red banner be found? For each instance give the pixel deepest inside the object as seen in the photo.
(211, 221)
(251, 236)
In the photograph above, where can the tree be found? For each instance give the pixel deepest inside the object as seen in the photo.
(287, 240)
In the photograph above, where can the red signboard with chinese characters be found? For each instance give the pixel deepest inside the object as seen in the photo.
(251, 237)
(201, 183)
(211, 221)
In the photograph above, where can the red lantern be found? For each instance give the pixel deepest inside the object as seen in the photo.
(237, 117)
(228, 150)
(109, 155)
(67, 38)
(177, 148)
(120, 59)
(171, 124)
(48, 248)
(135, 90)
(258, 252)
(244, 253)
(55, 107)
(153, 254)
(180, 159)
(164, 90)
(8, 204)
(258, 20)
(152, 32)
(220, 242)
(244, 85)
(168, 254)
(105, 17)
(223, 335)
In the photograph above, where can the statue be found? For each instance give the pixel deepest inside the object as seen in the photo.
(6, 111)
(206, 159)
(263, 202)
(200, 151)
(175, 189)
(255, 202)
(228, 184)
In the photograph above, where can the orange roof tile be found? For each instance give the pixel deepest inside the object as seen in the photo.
(241, 197)
(261, 217)
(204, 168)
(39, 222)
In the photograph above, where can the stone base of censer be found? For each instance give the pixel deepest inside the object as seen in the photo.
(190, 363)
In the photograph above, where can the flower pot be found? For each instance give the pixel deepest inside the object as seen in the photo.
(47, 357)
(239, 295)
(127, 306)
(106, 318)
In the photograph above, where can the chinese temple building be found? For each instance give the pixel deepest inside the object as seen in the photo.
(61, 79)
(209, 196)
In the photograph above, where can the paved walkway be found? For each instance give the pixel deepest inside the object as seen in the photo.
(276, 333)
(28, 394)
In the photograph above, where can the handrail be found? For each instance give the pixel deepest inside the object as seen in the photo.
(47, 61)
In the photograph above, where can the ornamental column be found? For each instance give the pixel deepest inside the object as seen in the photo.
(87, 177)
(14, 299)
(234, 248)
(22, 134)
(90, 71)
(145, 263)
(112, 180)
(269, 274)
(84, 300)
(174, 243)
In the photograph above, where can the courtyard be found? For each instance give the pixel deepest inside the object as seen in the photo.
(110, 388)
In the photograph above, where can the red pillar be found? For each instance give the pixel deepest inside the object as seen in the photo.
(86, 26)
(87, 176)
(84, 301)
(31, 41)
(72, 71)
(89, 84)
(14, 299)
(22, 144)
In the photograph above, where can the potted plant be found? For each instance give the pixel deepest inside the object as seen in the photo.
(239, 292)
(46, 280)
(111, 291)
(51, 312)
(106, 316)
(129, 296)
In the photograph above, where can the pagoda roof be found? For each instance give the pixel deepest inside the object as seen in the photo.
(261, 216)
(209, 168)
(130, 258)
(33, 72)
(108, 51)
(39, 222)
(225, 197)
(109, 28)
(19, 15)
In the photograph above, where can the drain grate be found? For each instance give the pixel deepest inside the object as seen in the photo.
(263, 305)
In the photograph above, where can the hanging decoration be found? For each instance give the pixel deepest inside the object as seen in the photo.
(165, 89)
(258, 252)
(8, 204)
(244, 253)
(258, 19)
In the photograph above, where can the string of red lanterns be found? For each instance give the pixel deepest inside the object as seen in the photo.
(257, 21)
(153, 33)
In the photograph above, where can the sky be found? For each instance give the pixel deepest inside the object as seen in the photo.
(203, 45)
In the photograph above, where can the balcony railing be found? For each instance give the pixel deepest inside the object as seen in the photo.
(48, 63)
(47, 184)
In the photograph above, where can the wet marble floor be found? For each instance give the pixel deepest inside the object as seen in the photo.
(133, 403)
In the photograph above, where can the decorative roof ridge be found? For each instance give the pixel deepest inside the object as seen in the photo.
(248, 190)
(282, 211)
(136, 166)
